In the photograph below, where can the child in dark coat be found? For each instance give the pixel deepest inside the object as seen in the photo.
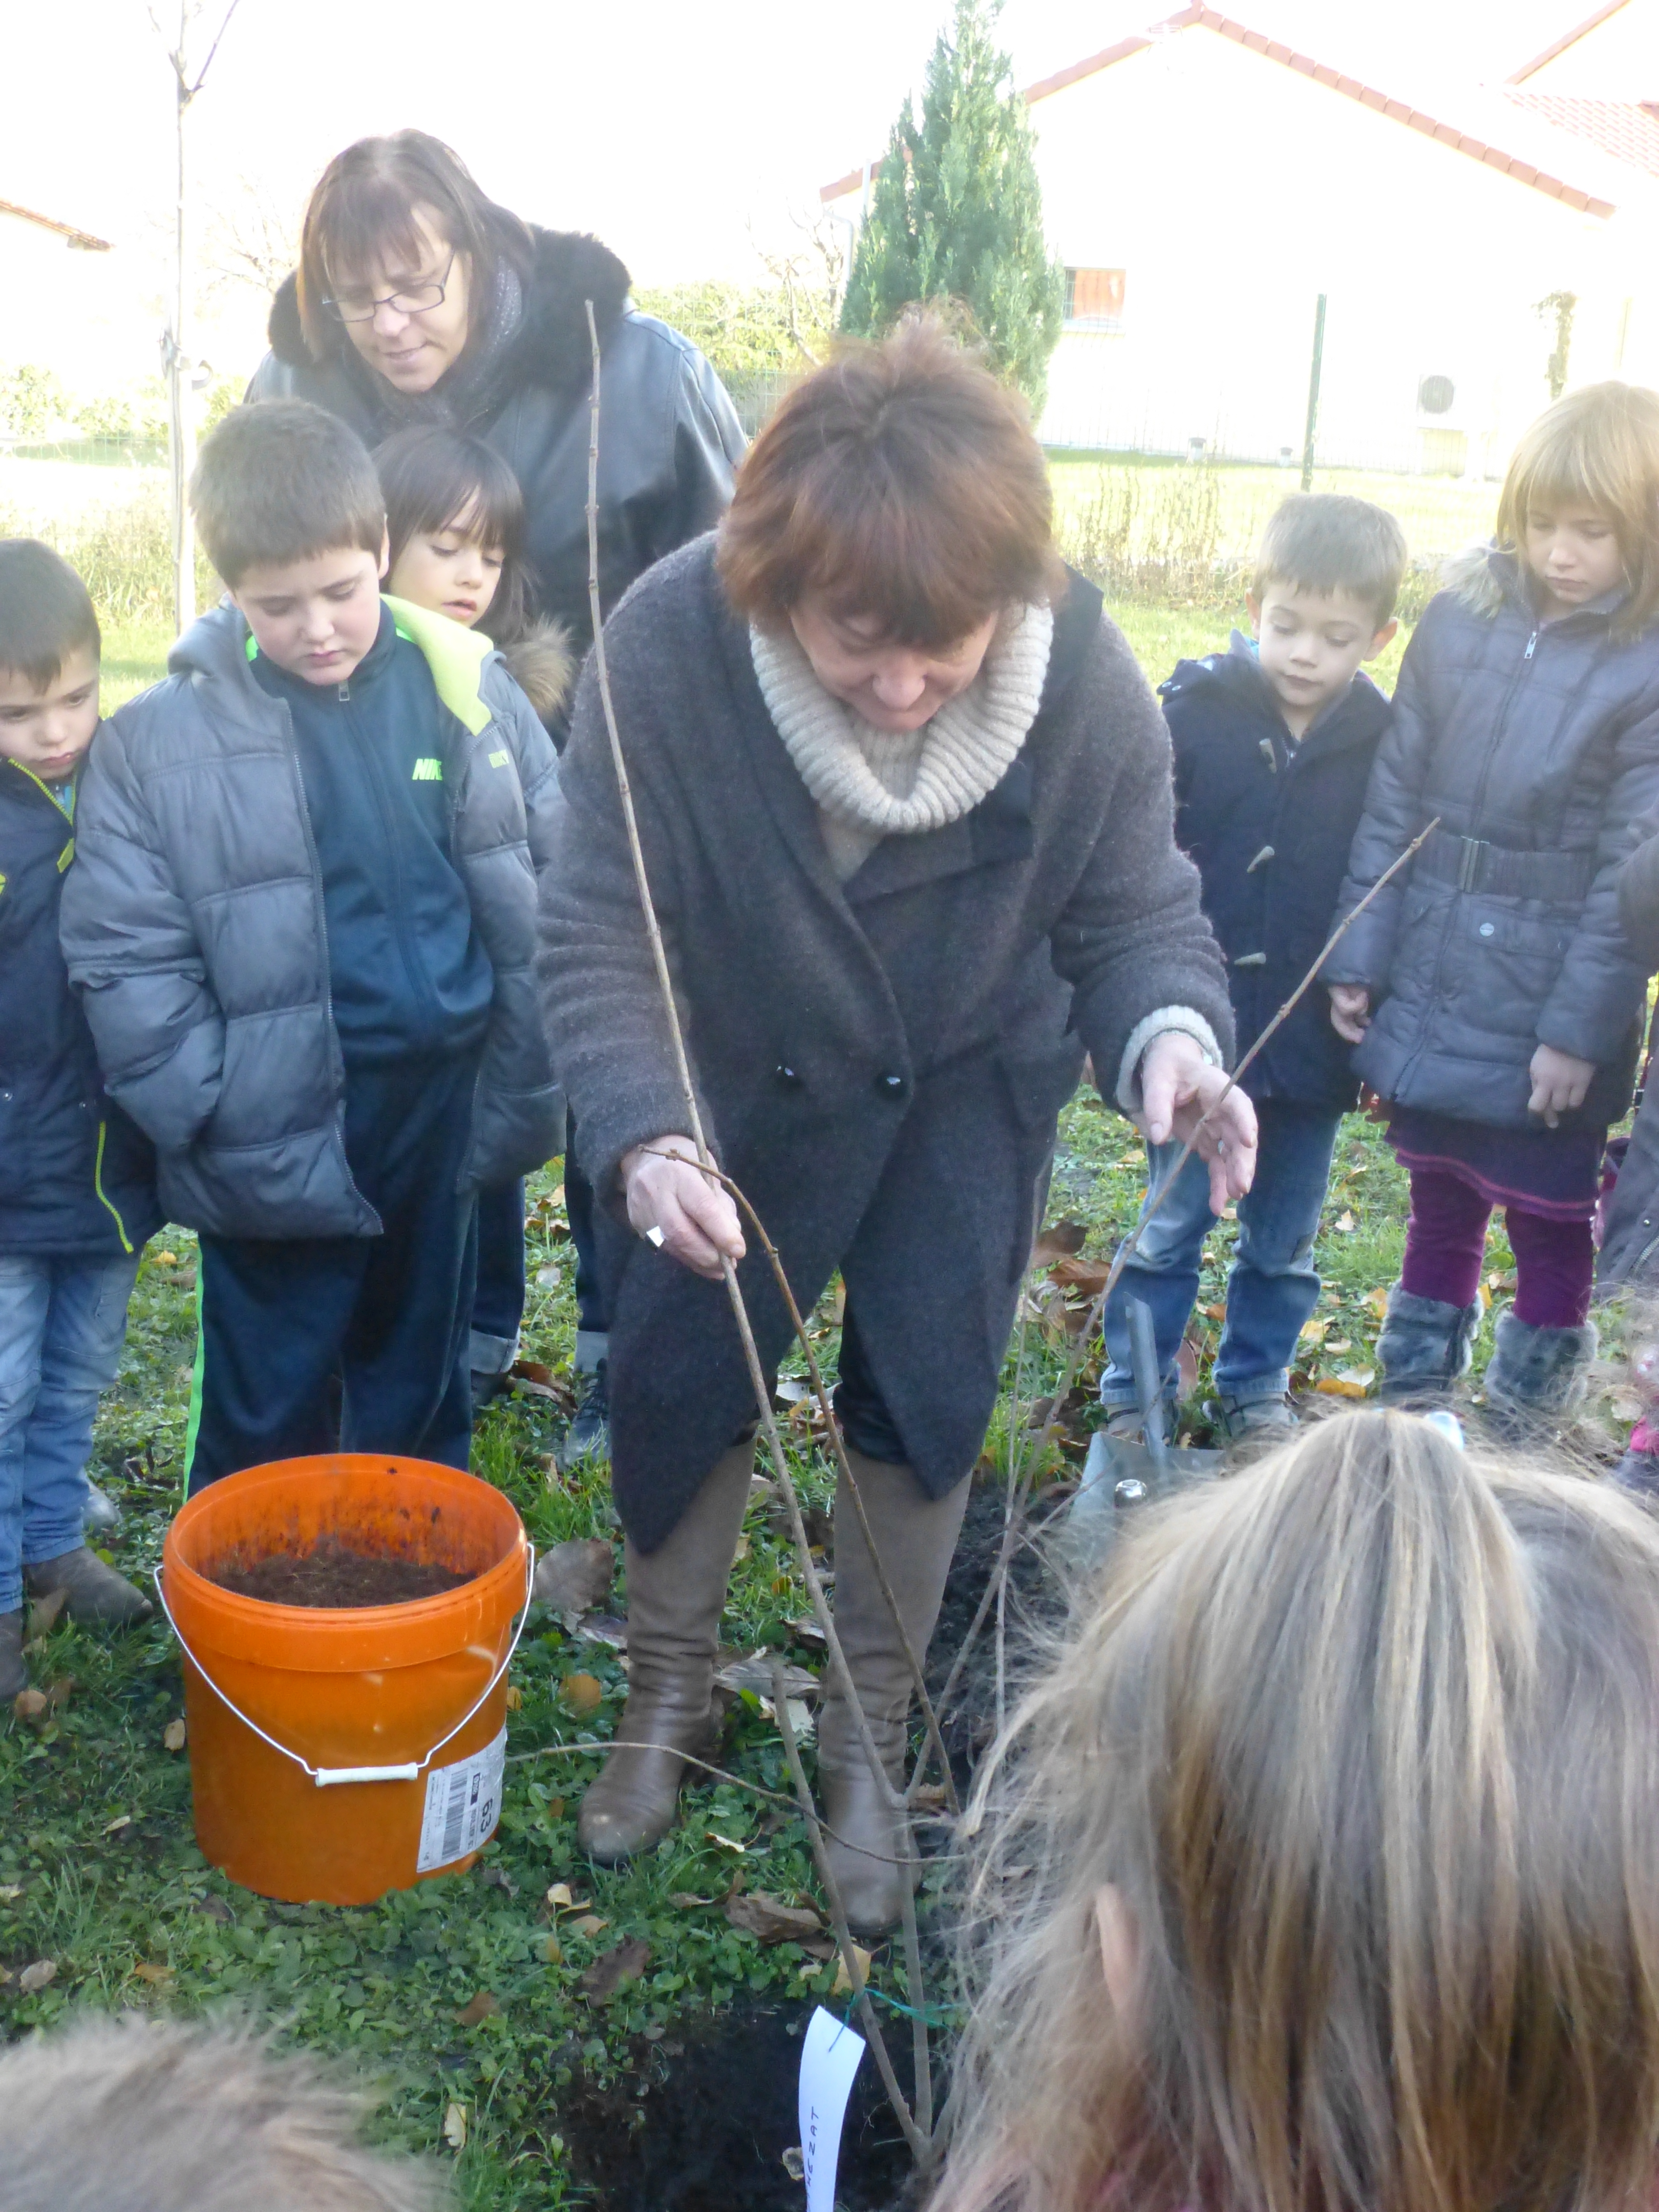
(77, 1188)
(1273, 744)
(1494, 995)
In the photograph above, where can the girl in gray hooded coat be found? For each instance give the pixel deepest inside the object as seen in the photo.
(1493, 994)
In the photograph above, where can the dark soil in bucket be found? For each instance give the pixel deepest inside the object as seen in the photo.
(702, 2123)
(332, 1576)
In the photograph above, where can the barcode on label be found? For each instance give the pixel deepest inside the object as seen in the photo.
(463, 1804)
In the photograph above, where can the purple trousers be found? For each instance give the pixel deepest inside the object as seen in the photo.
(1446, 1247)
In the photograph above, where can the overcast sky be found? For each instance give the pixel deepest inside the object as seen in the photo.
(671, 129)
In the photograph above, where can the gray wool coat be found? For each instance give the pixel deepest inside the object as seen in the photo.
(880, 1066)
(193, 926)
(1538, 747)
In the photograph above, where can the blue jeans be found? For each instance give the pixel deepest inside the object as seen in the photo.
(1273, 1287)
(61, 1325)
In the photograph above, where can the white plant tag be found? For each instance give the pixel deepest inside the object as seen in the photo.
(463, 1804)
(830, 2057)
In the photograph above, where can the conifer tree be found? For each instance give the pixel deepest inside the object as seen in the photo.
(956, 214)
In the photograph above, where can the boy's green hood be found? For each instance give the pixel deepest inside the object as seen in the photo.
(215, 642)
(455, 655)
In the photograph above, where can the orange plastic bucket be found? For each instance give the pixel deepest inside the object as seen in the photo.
(337, 1754)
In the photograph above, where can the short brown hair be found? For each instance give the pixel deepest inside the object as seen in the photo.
(901, 482)
(1598, 447)
(362, 208)
(281, 480)
(139, 2115)
(45, 611)
(1324, 541)
(1362, 1740)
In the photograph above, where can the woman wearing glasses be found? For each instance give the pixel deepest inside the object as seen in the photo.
(419, 301)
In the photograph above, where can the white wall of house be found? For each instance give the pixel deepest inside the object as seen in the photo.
(1617, 60)
(1232, 192)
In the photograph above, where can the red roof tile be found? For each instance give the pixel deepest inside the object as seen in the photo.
(1626, 129)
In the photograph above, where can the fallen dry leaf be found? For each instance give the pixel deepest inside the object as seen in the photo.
(59, 1692)
(626, 1963)
(529, 1371)
(559, 1897)
(771, 1919)
(455, 2126)
(843, 1985)
(29, 1705)
(1061, 1240)
(514, 1698)
(581, 1692)
(1352, 1383)
(166, 1259)
(1378, 1301)
(43, 1614)
(552, 1952)
(172, 1735)
(1344, 1223)
(575, 1576)
(155, 1976)
(755, 1673)
(727, 1843)
(40, 1975)
(215, 1908)
(589, 1924)
(681, 1899)
(484, 2006)
(121, 1820)
(10, 1892)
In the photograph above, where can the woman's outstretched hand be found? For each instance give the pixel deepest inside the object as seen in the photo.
(1559, 1081)
(1178, 1087)
(666, 1191)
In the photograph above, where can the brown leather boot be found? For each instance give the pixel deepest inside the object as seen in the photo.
(675, 1595)
(916, 1536)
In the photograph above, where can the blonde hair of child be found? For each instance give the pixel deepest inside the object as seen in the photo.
(139, 2115)
(1598, 447)
(1365, 1739)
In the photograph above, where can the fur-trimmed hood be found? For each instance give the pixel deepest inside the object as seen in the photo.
(1487, 579)
(551, 345)
(542, 664)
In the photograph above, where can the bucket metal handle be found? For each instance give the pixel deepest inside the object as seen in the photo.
(326, 1778)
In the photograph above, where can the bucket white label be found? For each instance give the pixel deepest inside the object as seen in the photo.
(463, 1804)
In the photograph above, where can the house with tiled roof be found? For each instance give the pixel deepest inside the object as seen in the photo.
(1206, 182)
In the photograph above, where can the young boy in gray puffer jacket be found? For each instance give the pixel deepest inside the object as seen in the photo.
(302, 922)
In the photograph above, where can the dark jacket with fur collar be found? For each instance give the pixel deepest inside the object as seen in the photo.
(669, 436)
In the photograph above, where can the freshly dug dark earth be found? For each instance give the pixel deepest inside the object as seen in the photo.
(705, 2119)
(332, 1577)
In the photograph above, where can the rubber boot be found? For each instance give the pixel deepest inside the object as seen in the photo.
(93, 1593)
(675, 1595)
(14, 1673)
(916, 1536)
(1537, 1376)
(1424, 1346)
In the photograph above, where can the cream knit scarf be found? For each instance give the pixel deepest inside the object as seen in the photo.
(870, 785)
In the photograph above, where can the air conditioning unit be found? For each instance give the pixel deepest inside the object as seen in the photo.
(1442, 424)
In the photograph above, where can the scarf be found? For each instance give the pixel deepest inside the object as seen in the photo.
(869, 784)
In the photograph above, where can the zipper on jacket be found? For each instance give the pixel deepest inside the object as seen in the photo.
(104, 1198)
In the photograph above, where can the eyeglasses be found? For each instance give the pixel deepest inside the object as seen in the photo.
(415, 300)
